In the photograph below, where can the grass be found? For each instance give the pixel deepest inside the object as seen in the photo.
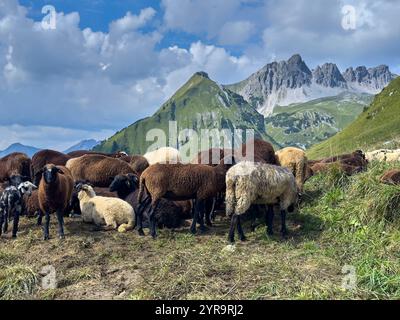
(342, 221)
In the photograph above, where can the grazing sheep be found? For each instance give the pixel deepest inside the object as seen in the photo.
(391, 177)
(180, 182)
(383, 155)
(263, 151)
(250, 183)
(98, 170)
(43, 157)
(12, 204)
(169, 213)
(55, 190)
(31, 202)
(294, 159)
(109, 213)
(139, 164)
(16, 163)
(341, 157)
(345, 168)
(163, 155)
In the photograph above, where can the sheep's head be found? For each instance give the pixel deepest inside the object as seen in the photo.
(16, 179)
(50, 173)
(26, 188)
(85, 189)
(124, 182)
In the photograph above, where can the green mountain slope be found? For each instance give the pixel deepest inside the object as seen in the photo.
(306, 124)
(377, 125)
(199, 104)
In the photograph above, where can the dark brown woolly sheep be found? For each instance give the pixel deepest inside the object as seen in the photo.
(55, 190)
(120, 155)
(263, 151)
(211, 157)
(169, 214)
(345, 168)
(16, 163)
(341, 157)
(99, 170)
(43, 157)
(391, 177)
(32, 207)
(180, 182)
(139, 164)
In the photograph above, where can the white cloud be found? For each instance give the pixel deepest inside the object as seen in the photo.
(236, 32)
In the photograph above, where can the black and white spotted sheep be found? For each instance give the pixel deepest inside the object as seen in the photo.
(11, 205)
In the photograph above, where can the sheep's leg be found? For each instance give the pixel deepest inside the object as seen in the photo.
(46, 226)
(15, 223)
(210, 216)
(5, 226)
(202, 213)
(270, 219)
(240, 229)
(283, 223)
(1, 222)
(60, 218)
(195, 216)
(139, 216)
(152, 219)
(234, 222)
(39, 218)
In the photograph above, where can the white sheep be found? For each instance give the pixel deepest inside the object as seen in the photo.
(250, 183)
(111, 213)
(383, 155)
(163, 155)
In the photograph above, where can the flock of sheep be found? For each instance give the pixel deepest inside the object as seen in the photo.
(121, 192)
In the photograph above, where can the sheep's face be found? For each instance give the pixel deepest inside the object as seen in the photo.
(124, 182)
(50, 173)
(26, 188)
(16, 179)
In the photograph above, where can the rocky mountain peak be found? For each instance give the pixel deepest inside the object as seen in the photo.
(328, 75)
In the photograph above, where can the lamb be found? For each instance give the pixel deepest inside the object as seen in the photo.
(296, 160)
(250, 183)
(74, 203)
(139, 164)
(391, 177)
(169, 213)
(109, 213)
(180, 182)
(345, 168)
(263, 151)
(16, 163)
(31, 202)
(163, 155)
(43, 157)
(11, 205)
(55, 190)
(99, 170)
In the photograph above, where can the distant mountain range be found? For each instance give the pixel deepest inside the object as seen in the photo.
(378, 126)
(88, 144)
(30, 151)
(18, 147)
(287, 82)
(285, 102)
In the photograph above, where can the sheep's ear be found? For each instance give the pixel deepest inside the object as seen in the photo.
(58, 170)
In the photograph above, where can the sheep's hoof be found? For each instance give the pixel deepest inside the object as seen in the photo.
(141, 233)
(193, 230)
(46, 238)
(284, 235)
(270, 232)
(203, 229)
(243, 238)
(61, 237)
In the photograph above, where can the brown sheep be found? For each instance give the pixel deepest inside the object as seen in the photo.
(99, 170)
(168, 213)
(16, 163)
(345, 168)
(43, 157)
(55, 190)
(211, 157)
(180, 182)
(263, 151)
(120, 155)
(294, 159)
(139, 164)
(32, 207)
(357, 153)
(391, 177)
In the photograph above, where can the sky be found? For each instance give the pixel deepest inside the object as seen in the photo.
(106, 64)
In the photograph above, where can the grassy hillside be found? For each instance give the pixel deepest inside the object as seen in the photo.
(341, 223)
(306, 124)
(199, 104)
(379, 124)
